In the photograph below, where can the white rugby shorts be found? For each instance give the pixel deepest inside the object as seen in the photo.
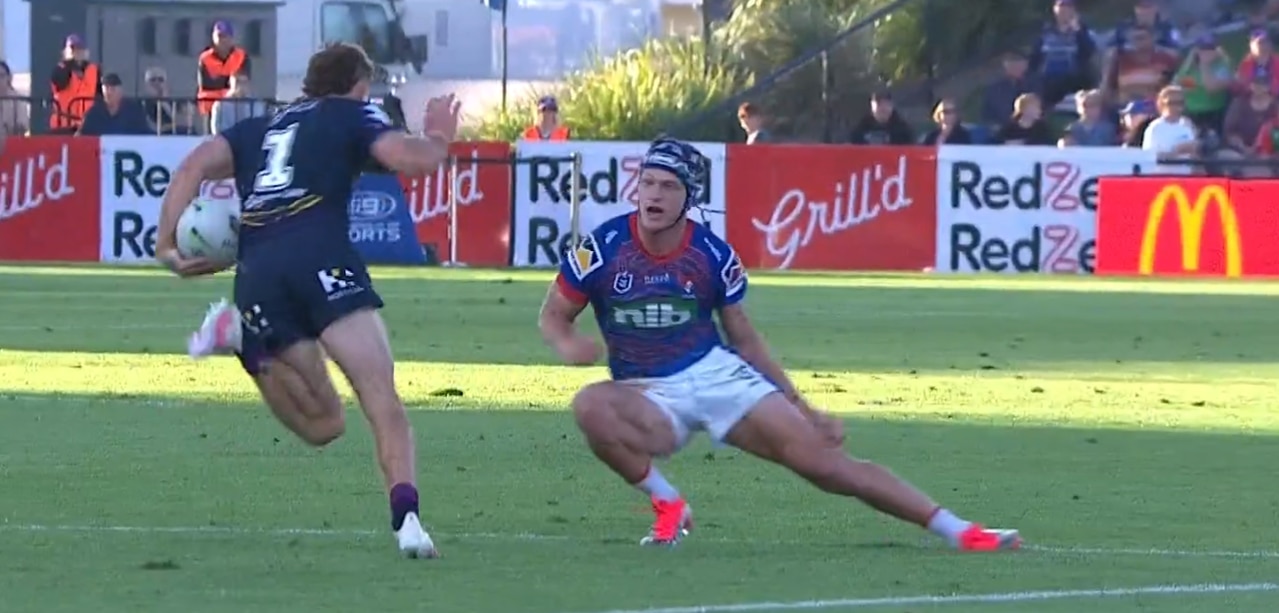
(710, 396)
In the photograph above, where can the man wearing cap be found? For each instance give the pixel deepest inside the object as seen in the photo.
(75, 83)
(218, 63)
(114, 114)
(1260, 63)
(548, 126)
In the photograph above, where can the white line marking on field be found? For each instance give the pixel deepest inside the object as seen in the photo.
(528, 536)
(904, 601)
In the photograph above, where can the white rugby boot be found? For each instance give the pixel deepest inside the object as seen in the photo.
(219, 334)
(413, 540)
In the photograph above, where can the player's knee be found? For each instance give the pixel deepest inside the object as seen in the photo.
(325, 430)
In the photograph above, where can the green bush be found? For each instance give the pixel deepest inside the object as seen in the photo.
(631, 96)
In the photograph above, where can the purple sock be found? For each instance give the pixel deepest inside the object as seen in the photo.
(403, 502)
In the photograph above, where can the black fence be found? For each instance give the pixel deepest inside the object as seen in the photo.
(34, 115)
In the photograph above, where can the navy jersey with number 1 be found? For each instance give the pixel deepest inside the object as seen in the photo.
(297, 271)
(656, 313)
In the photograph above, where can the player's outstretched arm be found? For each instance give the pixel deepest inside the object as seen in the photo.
(209, 161)
(410, 155)
(556, 322)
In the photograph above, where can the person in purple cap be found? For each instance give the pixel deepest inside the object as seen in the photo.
(218, 64)
(76, 84)
(1259, 63)
(548, 126)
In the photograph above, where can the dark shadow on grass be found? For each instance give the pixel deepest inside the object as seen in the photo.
(870, 329)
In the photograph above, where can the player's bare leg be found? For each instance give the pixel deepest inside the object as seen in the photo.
(358, 343)
(314, 415)
(777, 431)
(626, 431)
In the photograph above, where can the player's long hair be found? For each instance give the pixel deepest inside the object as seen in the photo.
(335, 70)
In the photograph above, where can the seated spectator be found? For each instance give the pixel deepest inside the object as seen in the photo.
(237, 105)
(1063, 55)
(949, 130)
(115, 115)
(164, 114)
(1206, 76)
(1172, 136)
(1259, 63)
(1027, 125)
(883, 125)
(1266, 142)
(15, 110)
(1135, 117)
(1246, 115)
(1015, 81)
(1092, 129)
(1141, 72)
(1146, 14)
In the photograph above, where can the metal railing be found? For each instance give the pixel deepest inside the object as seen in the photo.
(174, 115)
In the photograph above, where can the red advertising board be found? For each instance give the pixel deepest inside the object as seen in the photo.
(1187, 227)
(827, 207)
(483, 199)
(50, 189)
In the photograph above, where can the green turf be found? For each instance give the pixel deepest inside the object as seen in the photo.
(1104, 419)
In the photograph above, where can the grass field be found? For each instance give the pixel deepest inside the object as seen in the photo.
(1129, 429)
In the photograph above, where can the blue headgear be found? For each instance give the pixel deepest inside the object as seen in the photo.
(685, 162)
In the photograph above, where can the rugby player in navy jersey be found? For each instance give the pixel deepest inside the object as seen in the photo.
(301, 289)
(656, 282)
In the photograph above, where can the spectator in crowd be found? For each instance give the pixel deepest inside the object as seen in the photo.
(15, 111)
(1015, 81)
(949, 130)
(166, 115)
(76, 85)
(115, 115)
(216, 65)
(1206, 75)
(1136, 116)
(237, 105)
(1140, 72)
(1172, 136)
(548, 126)
(1146, 14)
(753, 124)
(1266, 143)
(1260, 62)
(883, 125)
(1027, 125)
(1064, 54)
(1246, 115)
(1092, 129)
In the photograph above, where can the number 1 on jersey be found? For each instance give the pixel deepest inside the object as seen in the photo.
(276, 173)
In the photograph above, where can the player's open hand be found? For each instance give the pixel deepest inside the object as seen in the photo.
(188, 267)
(578, 350)
(442, 116)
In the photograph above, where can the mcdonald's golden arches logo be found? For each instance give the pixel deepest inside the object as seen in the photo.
(1191, 217)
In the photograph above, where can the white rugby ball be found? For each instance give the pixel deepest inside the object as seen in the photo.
(210, 229)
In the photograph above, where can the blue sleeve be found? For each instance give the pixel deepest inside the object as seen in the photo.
(732, 278)
(373, 123)
(93, 121)
(579, 268)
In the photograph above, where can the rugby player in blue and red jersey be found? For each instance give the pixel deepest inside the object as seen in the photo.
(302, 290)
(656, 282)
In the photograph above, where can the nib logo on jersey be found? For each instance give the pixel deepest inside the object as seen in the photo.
(608, 184)
(136, 171)
(655, 314)
(1023, 209)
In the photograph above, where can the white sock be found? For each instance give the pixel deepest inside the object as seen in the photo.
(946, 525)
(656, 485)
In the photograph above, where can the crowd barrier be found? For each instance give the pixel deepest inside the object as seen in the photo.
(953, 209)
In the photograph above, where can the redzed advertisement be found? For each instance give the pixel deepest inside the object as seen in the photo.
(824, 207)
(1187, 227)
(483, 199)
(49, 199)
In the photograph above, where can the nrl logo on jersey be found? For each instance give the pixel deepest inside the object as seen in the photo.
(585, 258)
